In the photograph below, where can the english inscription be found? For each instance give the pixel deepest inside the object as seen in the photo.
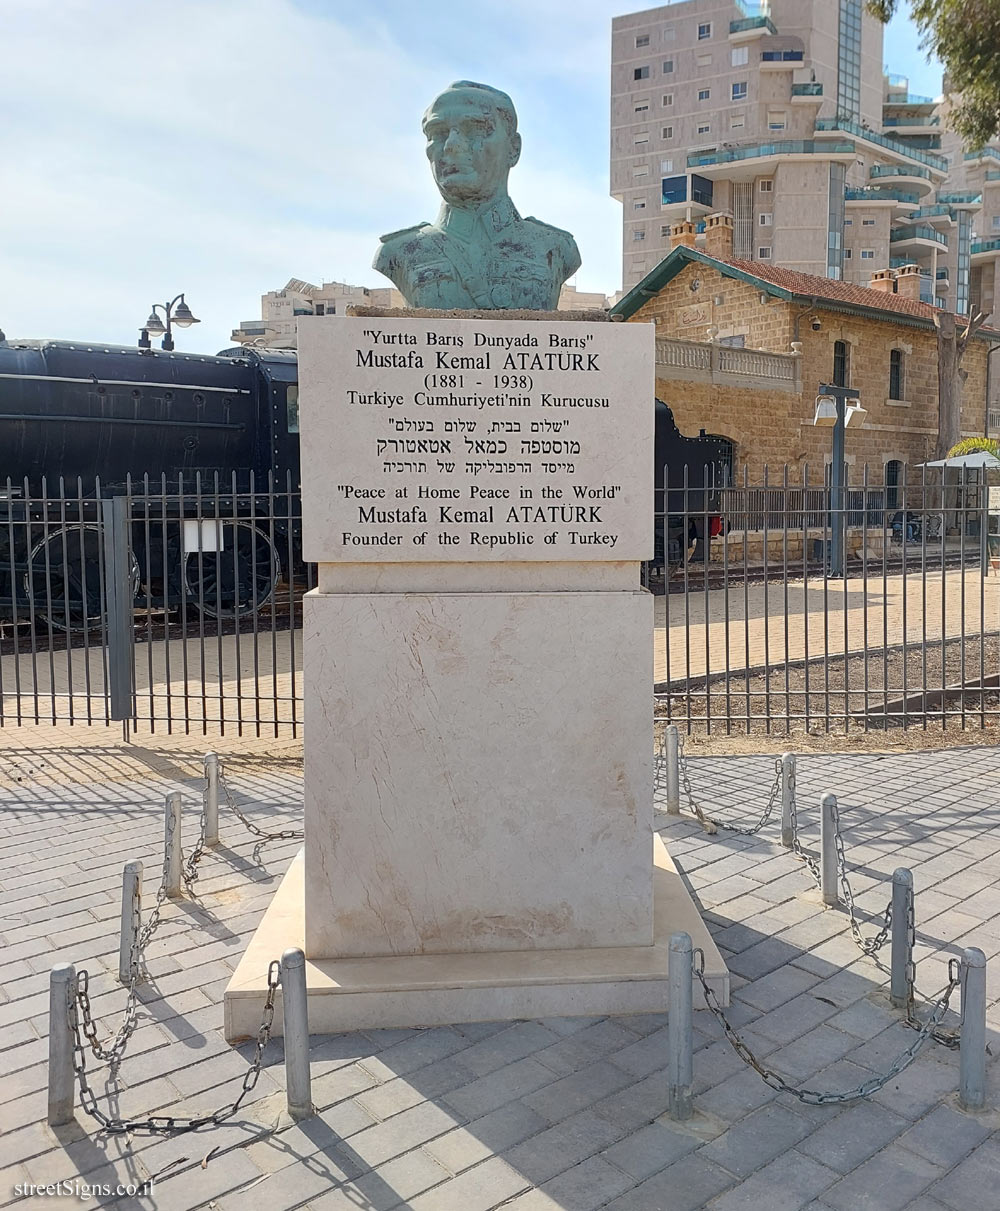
(465, 439)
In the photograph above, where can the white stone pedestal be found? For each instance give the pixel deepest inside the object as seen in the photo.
(478, 726)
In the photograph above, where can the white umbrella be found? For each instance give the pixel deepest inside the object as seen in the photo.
(979, 460)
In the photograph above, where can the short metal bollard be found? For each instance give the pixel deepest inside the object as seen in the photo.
(211, 799)
(128, 959)
(828, 849)
(972, 1056)
(787, 793)
(902, 951)
(295, 1012)
(673, 746)
(172, 855)
(62, 1077)
(680, 1045)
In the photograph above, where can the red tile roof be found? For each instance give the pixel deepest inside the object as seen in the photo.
(835, 292)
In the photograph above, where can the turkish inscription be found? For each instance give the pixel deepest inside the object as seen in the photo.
(466, 439)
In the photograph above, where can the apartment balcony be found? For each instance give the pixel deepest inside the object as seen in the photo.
(913, 177)
(807, 94)
(935, 213)
(781, 60)
(918, 236)
(985, 250)
(983, 156)
(750, 28)
(685, 196)
(993, 421)
(744, 163)
(936, 164)
(928, 124)
(701, 362)
(906, 100)
(901, 201)
(962, 201)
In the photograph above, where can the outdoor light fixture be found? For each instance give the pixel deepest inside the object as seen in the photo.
(176, 312)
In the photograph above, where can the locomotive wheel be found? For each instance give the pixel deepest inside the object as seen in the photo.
(70, 599)
(237, 580)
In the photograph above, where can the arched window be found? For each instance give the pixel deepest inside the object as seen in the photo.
(893, 474)
(841, 364)
(896, 374)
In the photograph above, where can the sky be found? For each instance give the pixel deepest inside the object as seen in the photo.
(221, 147)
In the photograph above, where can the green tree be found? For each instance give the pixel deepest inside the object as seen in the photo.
(965, 37)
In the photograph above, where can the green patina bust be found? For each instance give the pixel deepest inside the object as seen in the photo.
(479, 253)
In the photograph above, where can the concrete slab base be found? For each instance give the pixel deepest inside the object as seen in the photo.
(439, 989)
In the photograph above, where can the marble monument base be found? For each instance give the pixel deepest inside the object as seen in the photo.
(438, 989)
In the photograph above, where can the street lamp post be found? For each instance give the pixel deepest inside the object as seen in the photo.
(176, 313)
(842, 418)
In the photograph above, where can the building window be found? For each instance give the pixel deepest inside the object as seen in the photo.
(638, 205)
(642, 107)
(642, 40)
(848, 254)
(666, 166)
(767, 185)
(764, 254)
(665, 231)
(995, 222)
(740, 56)
(896, 374)
(638, 235)
(835, 222)
(893, 474)
(740, 90)
(737, 122)
(673, 190)
(641, 170)
(668, 66)
(667, 132)
(668, 98)
(848, 222)
(704, 31)
(642, 137)
(775, 119)
(704, 94)
(867, 222)
(868, 254)
(849, 59)
(841, 363)
(705, 128)
(705, 60)
(668, 33)
(765, 220)
(641, 73)
(320, 309)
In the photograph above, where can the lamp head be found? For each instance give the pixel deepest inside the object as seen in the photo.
(154, 324)
(182, 316)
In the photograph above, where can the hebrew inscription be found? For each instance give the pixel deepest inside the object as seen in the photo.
(466, 439)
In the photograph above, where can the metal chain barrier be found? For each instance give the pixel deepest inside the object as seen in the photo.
(946, 1038)
(190, 871)
(287, 834)
(81, 1023)
(811, 864)
(869, 946)
(814, 1097)
(709, 823)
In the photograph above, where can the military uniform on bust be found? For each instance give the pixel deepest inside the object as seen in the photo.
(526, 261)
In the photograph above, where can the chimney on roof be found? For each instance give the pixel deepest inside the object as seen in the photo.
(719, 236)
(884, 280)
(682, 234)
(908, 282)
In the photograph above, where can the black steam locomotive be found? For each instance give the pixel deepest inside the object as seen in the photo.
(185, 438)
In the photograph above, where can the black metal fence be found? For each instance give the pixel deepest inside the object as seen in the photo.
(787, 607)
(178, 607)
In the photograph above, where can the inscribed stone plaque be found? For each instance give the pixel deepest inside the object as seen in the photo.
(428, 440)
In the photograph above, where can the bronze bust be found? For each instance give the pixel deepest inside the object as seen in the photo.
(479, 253)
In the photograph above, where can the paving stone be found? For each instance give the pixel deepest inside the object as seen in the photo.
(604, 1038)
(485, 1186)
(973, 1179)
(756, 1139)
(777, 988)
(587, 1186)
(917, 1088)
(493, 1133)
(518, 1041)
(497, 1088)
(787, 1184)
(687, 1185)
(795, 1018)
(944, 1136)
(577, 1091)
(542, 1156)
(399, 1134)
(856, 1133)
(813, 1051)
(890, 1181)
(651, 1149)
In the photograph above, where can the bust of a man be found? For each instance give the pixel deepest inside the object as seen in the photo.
(479, 253)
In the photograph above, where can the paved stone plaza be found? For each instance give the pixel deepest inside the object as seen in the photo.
(536, 1116)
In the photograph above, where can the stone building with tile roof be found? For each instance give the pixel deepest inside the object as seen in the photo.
(743, 346)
